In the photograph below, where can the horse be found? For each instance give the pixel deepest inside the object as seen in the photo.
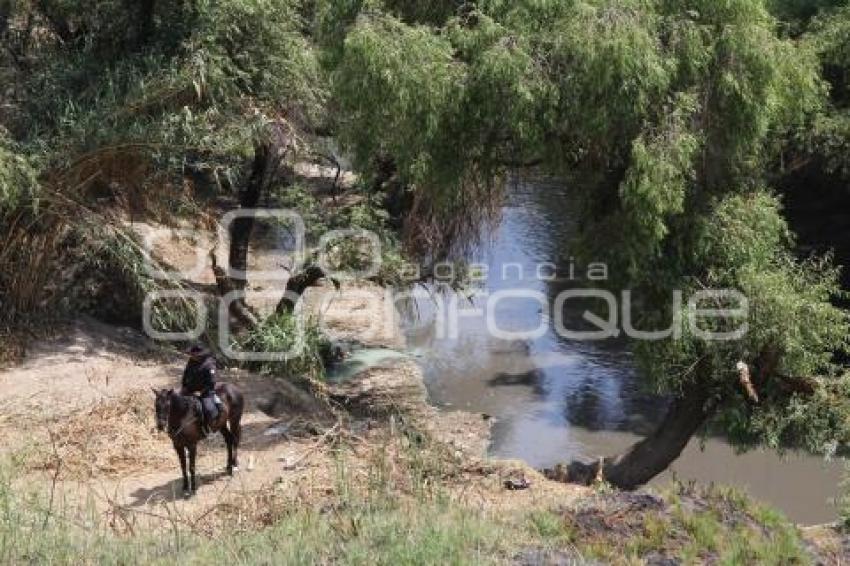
(180, 415)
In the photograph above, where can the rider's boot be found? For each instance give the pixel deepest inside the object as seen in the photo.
(219, 405)
(207, 424)
(205, 421)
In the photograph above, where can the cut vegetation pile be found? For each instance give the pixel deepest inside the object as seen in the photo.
(112, 438)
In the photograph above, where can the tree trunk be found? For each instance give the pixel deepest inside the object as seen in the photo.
(249, 197)
(239, 309)
(145, 22)
(263, 169)
(654, 454)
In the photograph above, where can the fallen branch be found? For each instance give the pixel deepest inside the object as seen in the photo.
(746, 382)
(297, 284)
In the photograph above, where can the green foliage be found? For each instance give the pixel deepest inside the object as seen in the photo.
(843, 500)
(315, 216)
(434, 12)
(797, 14)
(829, 35)
(112, 278)
(549, 526)
(751, 82)
(444, 104)
(350, 254)
(747, 241)
(746, 244)
(679, 108)
(256, 48)
(119, 102)
(18, 179)
(453, 106)
(203, 83)
(294, 341)
(827, 137)
(656, 184)
(395, 80)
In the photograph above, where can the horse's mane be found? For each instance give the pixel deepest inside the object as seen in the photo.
(177, 399)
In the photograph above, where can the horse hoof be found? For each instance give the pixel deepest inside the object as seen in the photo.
(235, 469)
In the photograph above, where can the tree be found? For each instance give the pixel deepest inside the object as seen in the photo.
(677, 109)
(128, 99)
(827, 139)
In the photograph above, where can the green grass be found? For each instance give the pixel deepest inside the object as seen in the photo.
(380, 522)
(429, 536)
(421, 533)
(424, 534)
(397, 516)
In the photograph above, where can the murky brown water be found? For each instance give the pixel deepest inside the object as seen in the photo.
(556, 399)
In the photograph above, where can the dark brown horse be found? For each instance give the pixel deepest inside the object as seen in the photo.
(180, 416)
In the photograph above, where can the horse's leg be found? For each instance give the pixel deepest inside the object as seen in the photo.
(193, 451)
(236, 433)
(181, 453)
(228, 440)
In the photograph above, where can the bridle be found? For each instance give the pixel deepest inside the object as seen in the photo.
(184, 422)
(163, 413)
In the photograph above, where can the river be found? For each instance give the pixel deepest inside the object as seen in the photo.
(554, 399)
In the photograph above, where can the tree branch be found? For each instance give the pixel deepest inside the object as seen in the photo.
(297, 284)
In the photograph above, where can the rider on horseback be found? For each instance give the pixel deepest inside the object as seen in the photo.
(199, 377)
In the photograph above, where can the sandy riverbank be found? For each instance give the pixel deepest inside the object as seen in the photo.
(79, 418)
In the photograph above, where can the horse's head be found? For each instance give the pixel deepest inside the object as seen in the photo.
(162, 407)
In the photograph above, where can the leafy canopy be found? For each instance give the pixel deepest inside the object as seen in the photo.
(678, 108)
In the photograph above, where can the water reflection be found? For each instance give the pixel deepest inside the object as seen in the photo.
(556, 399)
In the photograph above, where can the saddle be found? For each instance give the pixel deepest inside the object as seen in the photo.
(206, 410)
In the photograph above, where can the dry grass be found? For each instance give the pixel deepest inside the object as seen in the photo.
(111, 438)
(12, 348)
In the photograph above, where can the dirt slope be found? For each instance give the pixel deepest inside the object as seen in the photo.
(78, 412)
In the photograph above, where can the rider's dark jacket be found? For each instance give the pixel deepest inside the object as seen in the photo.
(199, 375)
